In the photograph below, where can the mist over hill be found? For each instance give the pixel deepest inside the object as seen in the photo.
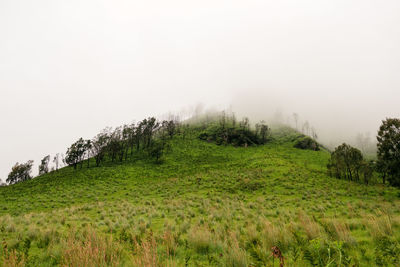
(69, 69)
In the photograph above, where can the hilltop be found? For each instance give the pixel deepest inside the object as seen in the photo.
(204, 205)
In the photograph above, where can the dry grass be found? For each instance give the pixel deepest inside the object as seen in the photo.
(12, 259)
(146, 253)
(380, 225)
(93, 251)
(342, 231)
(271, 234)
(201, 239)
(235, 256)
(169, 240)
(311, 228)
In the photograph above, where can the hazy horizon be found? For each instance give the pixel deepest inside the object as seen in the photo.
(69, 69)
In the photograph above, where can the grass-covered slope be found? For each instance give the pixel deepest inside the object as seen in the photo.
(206, 205)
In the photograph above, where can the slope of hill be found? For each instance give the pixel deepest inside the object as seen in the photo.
(206, 205)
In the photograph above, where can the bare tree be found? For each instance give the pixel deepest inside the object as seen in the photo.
(314, 133)
(296, 119)
(44, 165)
(56, 160)
(306, 128)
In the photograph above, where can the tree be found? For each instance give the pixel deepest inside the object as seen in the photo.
(314, 133)
(345, 163)
(171, 128)
(389, 150)
(296, 119)
(306, 128)
(88, 147)
(75, 154)
(56, 160)
(20, 172)
(99, 146)
(245, 124)
(306, 142)
(156, 150)
(262, 131)
(150, 127)
(115, 147)
(44, 165)
(367, 170)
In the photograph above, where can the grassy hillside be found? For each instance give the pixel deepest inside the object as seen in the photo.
(206, 205)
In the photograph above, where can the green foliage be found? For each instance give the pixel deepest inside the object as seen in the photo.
(347, 162)
(156, 150)
(76, 152)
(387, 252)
(306, 142)
(235, 135)
(389, 150)
(20, 172)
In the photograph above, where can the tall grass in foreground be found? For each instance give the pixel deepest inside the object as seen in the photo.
(91, 250)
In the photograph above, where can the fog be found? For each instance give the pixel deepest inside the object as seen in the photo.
(70, 68)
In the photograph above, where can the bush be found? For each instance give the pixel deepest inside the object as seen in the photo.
(308, 143)
(230, 135)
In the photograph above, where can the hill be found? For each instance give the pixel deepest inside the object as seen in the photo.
(205, 205)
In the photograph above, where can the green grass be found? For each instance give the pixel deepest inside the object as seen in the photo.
(206, 205)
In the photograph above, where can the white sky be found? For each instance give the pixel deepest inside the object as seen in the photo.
(70, 68)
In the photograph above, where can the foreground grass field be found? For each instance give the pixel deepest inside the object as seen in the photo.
(206, 205)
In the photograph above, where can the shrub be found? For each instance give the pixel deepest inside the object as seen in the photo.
(308, 143)
(230, 135)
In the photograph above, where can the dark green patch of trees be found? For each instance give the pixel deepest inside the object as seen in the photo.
(347, 163)
(308, 143)
(148, 138)
(228, 132)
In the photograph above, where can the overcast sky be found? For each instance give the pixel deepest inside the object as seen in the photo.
(70, 68)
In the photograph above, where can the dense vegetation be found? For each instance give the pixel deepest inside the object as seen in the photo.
(348, 163)
(226, 132)
(206, 205)
(389, 150)
(306, 142)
